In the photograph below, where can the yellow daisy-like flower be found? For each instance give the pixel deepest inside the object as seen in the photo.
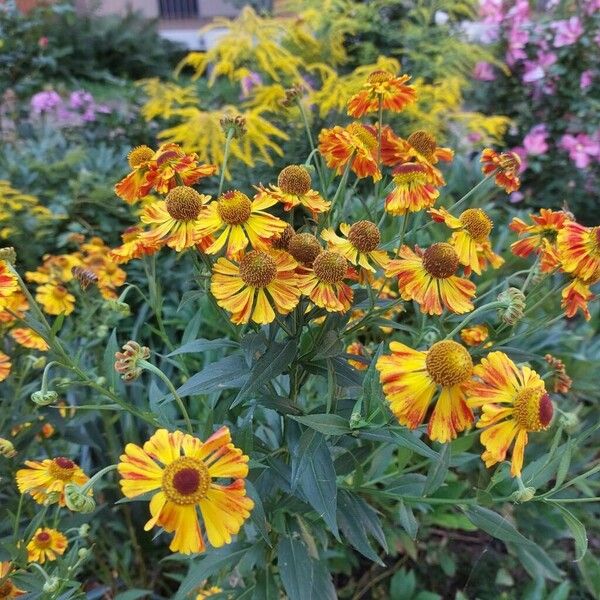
(17, 303)
(257, 287)
(410, 379)
(55, 299)
(471, 238)
(420, 146)
(475, 335)
(8, 589)
(5, 366)
(382, 87)
(324, 283)
(359, 245)
(579, 250)
(9, 284)
(415, 189)
(429, 278)
(208, 592)
(29, 339)
(46, 544)
(514, 403)
(294, 188)
(180, 470)
(134, 246)
(43, 479)
(176, 220)
(240, 221)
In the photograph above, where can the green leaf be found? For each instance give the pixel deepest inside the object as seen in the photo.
(192, 328)
(327, 424)
(357, 520)
(402, 585)
(438, 471)
(495, 525)
(108, 361)
(271, 364)
(209, 564)
(590, 570)
(257, 515)
(372, 395)
(402, 437)
(303, 578)
(313, 473)
(331, 345)
(229, 372)
(560, 592)
(563, 466)
(577, 529)
(201, 345)
(407, 520)
(134, 594)
(536, 562)
(346, 375)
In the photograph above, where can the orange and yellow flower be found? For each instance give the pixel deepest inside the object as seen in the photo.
(17, 304)
(420, 146)
(415, 189)
(135, 245)
(29, 339)
(505, 167)
(475, 335)
(129, 187)
(579, 251)
(576, 296)
(5, 366)
(471, 238)
(8, 590)
(294, 189)
(357, 349)
(46, 545)
(256, 288)
(179, 471)
(55, 299)
(47, 478)
(176, 221)
(382, 88)
(411, 378)
(208, 592)
(356, 143)
(514, 403)
(545, 227)
(9, 284)
(359, 245)
(429, 278)
(324, 283)
(240, 221)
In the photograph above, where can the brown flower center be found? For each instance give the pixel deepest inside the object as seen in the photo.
(186, 481)
(304, 247)
(596, 238)
(424, 143)
(448, 363)
(43, 539)
(440, 260)
(139, 155)
(477, 223)
(234, 207)
(184, 203)
(410, 173)
(330, 267)
(282, 240)
(360, 132)
(364, 236)
(62, 468)
(7, 589)
(258, 269)
(294, 179)
(379, 77)
(533, 409)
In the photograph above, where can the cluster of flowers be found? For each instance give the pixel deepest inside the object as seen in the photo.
(267, 269)
(75, 111)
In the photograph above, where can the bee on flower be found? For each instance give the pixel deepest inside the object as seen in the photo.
(514, 403)
(415, 189)
(44, 480)
(429, 278)
(504, 166)
(471, 238)
(238, 221)
(324, 283)
(256, 287)
(47, 544)
(294, 188)
(385, 89)
(181, 473)
(411, 378)
(359, 246)
(355, 144)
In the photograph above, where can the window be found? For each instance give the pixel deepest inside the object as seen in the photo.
(178, 9)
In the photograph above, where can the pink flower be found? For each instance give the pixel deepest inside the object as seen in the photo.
(249, 82)
(586, 79)
(538, 69)
(516, 197)
(43, 42)
(534, 143)
(582, 148)
(484, 71)
(567, 32)
(45, 101)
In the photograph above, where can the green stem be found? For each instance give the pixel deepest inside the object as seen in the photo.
(150, 367)
(230, 133)
(472, 315)
(91, 482)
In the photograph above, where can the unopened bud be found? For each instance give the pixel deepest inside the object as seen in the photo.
(514, 306)
(83, 553)
(6, 448)
(38, 362)
(8, 254)
(51, 498)
(84, 530)
(121, 308)
(77, 501)
(569, 422)
(44, 398)
(51, 585)
(523, 495)
(102, 331)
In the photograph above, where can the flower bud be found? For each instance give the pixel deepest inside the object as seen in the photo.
(237, 124)
(102, 331)
(121, 308)
(52, 498)
(569, 422)
(42, 398)
(83, 553)
(51, 585)
(6, 448)
(514, 306)
(78, 501)
(38, 362)
(126, 362)
(8, 254)
(84, 531)
(523, 495)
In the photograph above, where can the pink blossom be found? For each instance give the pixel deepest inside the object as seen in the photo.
(249, 82)
(567, 32)
(43, 42)
(538, 69)
(516, 197)
(534, 143)
(581, 147)
(586, 79)
(45, 101)
(484, 71)
(591, 6)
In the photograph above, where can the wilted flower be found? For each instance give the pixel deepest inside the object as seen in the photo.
(126, 362)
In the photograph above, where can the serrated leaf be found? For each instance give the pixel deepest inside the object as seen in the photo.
(438, 471)
(202, 345)
(327, 424)
(271, 364)
(229, 372)
(577, 529)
